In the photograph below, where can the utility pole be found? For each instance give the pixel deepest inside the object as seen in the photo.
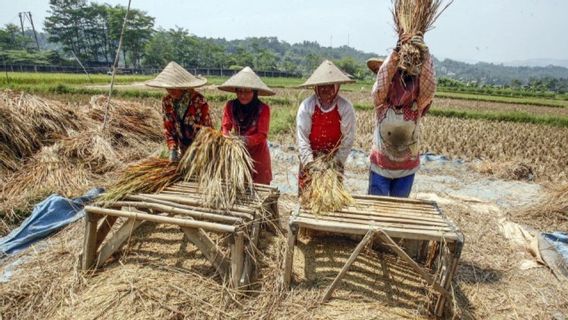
(33, 28)
(21, 23)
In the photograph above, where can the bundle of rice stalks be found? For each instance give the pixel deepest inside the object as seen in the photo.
(221, 165)
(149, 176)
(91, 148)
(414, 17)
(324, 191)
(46, 172)
(130, 123)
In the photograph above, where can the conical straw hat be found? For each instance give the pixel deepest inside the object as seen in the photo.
(175, 76)
(374, 64)
(327, 73)
(246, 79)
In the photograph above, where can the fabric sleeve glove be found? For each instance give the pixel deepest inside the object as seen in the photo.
(174, 155)
(418, 41)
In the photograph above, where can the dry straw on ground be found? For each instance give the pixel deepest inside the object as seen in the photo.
(27, 122)
(550, 214)
(325, 191)
(221, 165)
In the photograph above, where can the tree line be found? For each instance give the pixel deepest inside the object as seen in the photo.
(89, 32)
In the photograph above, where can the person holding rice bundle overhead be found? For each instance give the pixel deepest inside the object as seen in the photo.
(325, 120)
(402, 94)
(184, 109)
(249, 118)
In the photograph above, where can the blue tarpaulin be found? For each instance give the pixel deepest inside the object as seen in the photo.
(48, 216)
(554, 251)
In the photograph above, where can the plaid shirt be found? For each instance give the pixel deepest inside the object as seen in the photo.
(180, 133)
(427, 82)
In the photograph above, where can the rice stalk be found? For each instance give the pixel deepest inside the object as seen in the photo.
(148, 176)
(325, 191)
(550, 214)
(221, 165)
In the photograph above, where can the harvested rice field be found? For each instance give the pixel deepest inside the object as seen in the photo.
(512, 174)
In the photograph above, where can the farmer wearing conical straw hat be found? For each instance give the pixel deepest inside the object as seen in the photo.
(402, 95)
(184, 109)
(249, 118)
(325, 120)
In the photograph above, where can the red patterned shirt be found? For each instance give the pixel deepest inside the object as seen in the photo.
(180, 131)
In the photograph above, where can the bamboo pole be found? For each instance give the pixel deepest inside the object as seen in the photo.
(159, 219)
(394, 199)
(377, 218)
(118, 238)
(237, 251)
(351, 228)
(90, 240)
(379, 223)
(387, 240)
(289, 256)
(368, 237)
(209, 249)
(174, 210)
(115, 65)
(185, 200)
(104, 229)
(196, 206)
(249, 255)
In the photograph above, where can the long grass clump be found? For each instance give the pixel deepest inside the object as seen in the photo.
(325, 191)
(221, 165)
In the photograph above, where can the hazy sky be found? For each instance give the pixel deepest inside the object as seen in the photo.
(470, 30)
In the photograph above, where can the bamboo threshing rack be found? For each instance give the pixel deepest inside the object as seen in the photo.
(181, 204)
(388, 220)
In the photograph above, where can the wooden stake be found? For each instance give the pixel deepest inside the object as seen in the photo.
(209, 249)
(118, 238)
(237, 250)
(289, 258)
(90, 240)
(368, 237)
(425, 275)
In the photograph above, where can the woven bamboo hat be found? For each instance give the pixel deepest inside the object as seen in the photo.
(327, 73)
(374, 64)
(175, 76)
(246, 79)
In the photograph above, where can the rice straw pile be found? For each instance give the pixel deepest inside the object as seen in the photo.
(92, 148)
(324, 191)
(148, 176)
(550, 215)
(27, 122)
(415, 17)
(221, 166)
(130, 124)
(46, 172)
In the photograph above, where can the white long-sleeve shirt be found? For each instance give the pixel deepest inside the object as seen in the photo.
(304, 127)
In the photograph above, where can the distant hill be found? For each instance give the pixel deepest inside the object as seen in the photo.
(538, 63)
(499, 74)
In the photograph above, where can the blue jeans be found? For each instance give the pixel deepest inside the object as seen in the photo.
(381, 186)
